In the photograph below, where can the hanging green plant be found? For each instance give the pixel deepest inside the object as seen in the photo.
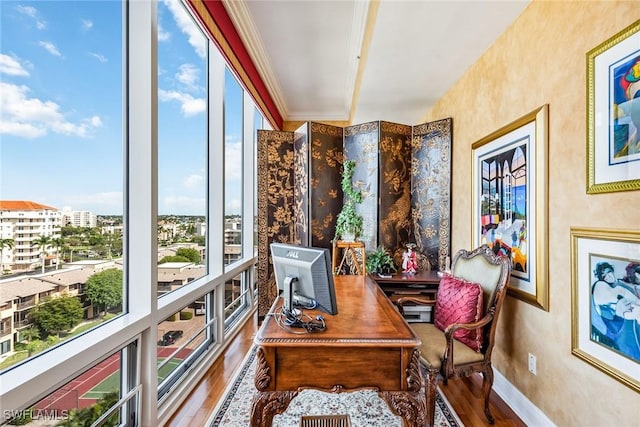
(349, 221)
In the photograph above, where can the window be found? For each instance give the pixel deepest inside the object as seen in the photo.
(182, 147)
(63, 149)
(83, 399)
(233, 168)
(146, 160)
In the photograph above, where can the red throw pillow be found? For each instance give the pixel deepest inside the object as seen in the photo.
(459, 301)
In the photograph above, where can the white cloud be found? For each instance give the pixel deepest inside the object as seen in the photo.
(189, 75)
(233, 158)
(188, 27)
(99, 57)
(32, 118)
(233, 206)
(193, 180)
(11, 66)
(182, 205)
(50, 47)
(190, 106)
(110, 201)
(32, 12)
(87, 24)
(163, 35)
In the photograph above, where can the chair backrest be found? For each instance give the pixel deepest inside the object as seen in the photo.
(492, 272)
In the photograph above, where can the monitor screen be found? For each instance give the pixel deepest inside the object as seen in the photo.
(304, 273)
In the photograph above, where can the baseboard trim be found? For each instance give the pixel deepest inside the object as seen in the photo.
(527, 411)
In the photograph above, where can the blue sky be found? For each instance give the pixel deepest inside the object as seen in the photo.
(61, 108)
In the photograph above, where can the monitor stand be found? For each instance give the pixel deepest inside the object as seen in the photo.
(288, 297)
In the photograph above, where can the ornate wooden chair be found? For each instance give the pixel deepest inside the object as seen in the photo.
(478, 272)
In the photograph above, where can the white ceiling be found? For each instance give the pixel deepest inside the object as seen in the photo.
(361, 60)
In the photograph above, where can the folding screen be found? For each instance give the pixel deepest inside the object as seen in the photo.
(404, 174)
(431, 191)
(275, 206)
(361, 145)
(317, 175)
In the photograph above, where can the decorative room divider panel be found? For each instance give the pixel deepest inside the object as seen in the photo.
(404, 174)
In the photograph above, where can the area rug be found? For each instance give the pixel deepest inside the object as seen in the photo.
(365, 407)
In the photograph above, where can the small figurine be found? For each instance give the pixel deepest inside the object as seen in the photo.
(409, 260)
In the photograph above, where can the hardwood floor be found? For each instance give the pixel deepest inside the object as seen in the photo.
(465, 395)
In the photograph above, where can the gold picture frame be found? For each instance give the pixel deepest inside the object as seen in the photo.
(510, 202)
(613, 136)
(605, 310)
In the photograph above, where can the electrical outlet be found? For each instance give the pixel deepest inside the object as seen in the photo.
(532, 364)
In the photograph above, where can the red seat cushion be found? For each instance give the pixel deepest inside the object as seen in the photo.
(459, 301)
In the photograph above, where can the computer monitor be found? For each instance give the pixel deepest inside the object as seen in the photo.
(304, 273)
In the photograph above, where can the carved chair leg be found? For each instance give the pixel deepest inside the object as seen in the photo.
(487, 384)
(431, 385)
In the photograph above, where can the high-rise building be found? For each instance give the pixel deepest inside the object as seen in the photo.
(24, 222)
(78, 218)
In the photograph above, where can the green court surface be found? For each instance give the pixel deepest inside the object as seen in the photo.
(112, 382)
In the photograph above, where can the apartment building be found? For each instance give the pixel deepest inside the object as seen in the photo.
(20, 295)
(78, 218)
(24, 222)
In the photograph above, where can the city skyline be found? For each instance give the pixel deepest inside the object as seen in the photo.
(61, 115)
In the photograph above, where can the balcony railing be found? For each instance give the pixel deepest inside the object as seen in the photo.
(22, 324)
(26, 304)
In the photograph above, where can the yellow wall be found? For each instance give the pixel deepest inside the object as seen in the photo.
(541, 59)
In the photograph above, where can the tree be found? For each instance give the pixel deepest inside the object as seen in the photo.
(105, 288)
(191, 254)
(42, 242)
(58, 243)
(8, 243)
(87, 416)
(200, 240)
(29, 334)
(56, 315)
(173, 258)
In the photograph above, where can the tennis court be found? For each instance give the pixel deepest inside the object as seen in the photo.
(112, 382)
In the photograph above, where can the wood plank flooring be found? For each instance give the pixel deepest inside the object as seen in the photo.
(465, 395)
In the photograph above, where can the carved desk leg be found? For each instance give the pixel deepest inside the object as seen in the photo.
(410, 404)
(266, 404)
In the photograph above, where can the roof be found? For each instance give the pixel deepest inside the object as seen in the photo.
(23, 205)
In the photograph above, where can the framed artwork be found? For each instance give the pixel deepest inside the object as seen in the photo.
(613, 119)
(510, 202)
(605, 304)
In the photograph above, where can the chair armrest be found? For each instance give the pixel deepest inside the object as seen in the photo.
(448, 332)
(447, 359)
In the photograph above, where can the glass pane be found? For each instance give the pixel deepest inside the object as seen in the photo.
(79, 402)
(179, 336)
(182, 145)
(233, 173)
(257, 124)
(61, 169)
(235, 298)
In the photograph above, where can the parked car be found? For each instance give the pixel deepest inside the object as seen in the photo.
(171, 337)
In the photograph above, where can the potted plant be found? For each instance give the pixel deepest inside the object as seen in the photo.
(380, 262)
(349, 221)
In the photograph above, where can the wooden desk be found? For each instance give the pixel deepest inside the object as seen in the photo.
(423, 283)
(368, 344)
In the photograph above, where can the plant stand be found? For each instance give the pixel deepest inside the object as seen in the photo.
(350, 256)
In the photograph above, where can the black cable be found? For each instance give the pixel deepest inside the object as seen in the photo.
(292, 321)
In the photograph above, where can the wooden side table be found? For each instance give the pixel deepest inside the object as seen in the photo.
(423, 284)
(350, 256)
